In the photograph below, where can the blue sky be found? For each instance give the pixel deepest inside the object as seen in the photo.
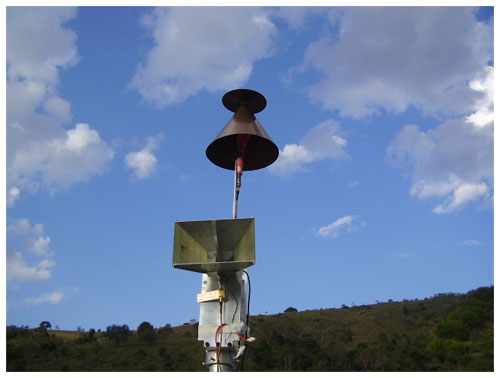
(383, 188)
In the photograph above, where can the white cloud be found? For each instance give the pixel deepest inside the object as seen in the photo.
(41, 246)
(53, 298)
(55, 162)
(453, 162)
(296, 17)
(348, 223)
(436, 59)
(293, 158)
(211, 48)
(13, 194)
(484, 108)
(465, 193)
(321, 142)
(58, 108)
(40, 153)
(32, 237)
(144, 162)
(22, 226)
(470, 243)
(19, 270)
(425, 188)
(37, 43)
(390, 58)
(76, 157)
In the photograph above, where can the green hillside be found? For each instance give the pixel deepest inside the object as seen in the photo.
(448, 332)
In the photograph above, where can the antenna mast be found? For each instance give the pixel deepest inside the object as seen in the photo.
(223, 249)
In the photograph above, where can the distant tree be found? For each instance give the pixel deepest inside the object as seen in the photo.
(91, 335)
(42, 329)
(166, 330)
(117, 334)
(45, 325)
(369, 357)
(446, 349)
(13, 331)
(86, 337)
(146, 333)
(291, 309)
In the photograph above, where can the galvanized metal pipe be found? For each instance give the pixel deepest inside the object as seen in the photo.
(236, 191)
(226, 361)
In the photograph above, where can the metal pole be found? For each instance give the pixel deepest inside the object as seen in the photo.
(237, 184)
(222, 321)
(220, 357)
(225, 360)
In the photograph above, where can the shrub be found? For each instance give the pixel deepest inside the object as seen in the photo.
(117, 334)
(146, 333)
(452, 329)
(13, 332)
(446, 349)
(46, 325)
(166, 330)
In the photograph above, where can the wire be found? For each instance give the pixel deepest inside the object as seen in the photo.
(220, 310)
(247, 318)
(218, 345)
(241, 337)
(248, 303)
(237, 305)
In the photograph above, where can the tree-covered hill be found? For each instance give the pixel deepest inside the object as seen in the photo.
(448, 332)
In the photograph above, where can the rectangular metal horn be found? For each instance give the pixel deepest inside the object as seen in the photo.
(221, 245)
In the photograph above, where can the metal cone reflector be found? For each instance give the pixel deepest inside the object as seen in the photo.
(259, 150)
(222, 245)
